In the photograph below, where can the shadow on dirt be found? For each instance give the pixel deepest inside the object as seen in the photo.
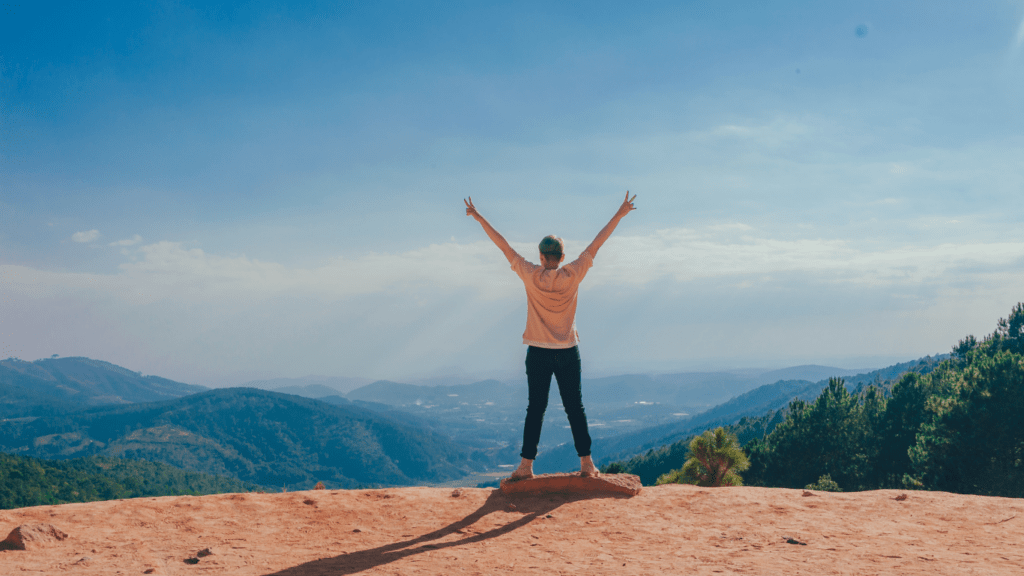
(531, 508)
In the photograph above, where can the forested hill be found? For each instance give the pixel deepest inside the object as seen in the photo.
(78, 382)
(33, 482)
(254, 435)
(761, 401)
(951, 425)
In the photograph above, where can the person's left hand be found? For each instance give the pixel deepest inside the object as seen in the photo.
(470, 209)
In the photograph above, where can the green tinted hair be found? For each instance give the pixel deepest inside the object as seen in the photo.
(552, 245)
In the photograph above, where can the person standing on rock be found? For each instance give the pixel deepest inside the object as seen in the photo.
(551, 334)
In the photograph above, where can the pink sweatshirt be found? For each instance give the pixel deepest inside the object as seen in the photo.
(551, 301)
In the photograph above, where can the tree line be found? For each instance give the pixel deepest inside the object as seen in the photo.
(955, 428)
(28, 481)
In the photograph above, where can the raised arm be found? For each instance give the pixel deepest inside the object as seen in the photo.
(498, 239)
(625, 208)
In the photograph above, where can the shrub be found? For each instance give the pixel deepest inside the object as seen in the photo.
(715, 460)
(824, 484)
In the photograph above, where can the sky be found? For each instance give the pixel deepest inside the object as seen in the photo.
(220, 192)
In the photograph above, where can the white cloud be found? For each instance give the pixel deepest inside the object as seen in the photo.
(448, 302)
(687, 255)
(87, 236)
(128, 241)
(736, 252)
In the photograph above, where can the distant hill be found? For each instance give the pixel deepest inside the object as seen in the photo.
(758, 402)
(77, 382)
(308, 391)
(33, 482)
(693, 391)
(309, 386)
(397, 394)
(811, 372)
(627, 410)
(254, 435)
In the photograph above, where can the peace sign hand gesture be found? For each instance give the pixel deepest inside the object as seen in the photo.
(471, 210)
(627, 206)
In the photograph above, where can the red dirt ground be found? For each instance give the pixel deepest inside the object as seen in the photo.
(665, 530)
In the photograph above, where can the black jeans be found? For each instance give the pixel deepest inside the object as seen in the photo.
(564, 363)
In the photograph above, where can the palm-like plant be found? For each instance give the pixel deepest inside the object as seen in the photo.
(715, 460)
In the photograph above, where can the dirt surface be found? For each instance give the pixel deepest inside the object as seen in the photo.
(574, 483)
(665, 530)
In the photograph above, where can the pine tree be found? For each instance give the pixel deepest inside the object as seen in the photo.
(826, 437)
(973, 442)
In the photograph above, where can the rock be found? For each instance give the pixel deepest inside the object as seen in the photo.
(32, 536)
(204, 552)
(192, 560)
(573, 484)
(457, 492)
(901, 497)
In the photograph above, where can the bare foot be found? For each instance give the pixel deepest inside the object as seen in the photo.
(587, 468)
(524, 471)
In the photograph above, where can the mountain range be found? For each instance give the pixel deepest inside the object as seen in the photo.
(64, 383)
(254, 435)
(376, 433)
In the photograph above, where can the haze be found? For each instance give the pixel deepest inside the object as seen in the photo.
(216, 193)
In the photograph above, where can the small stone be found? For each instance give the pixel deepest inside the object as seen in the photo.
(807, 493)
(149, 571)
(457, 492)
(795, 541)
(357, 530)
(511, 508)
(901, 497)
(573, 483)
(32, 536)
(309, 502)
(192, 560)
(204, 553)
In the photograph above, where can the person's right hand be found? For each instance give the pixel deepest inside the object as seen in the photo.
(627, 206)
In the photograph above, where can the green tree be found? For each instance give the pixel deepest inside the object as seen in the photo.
(972, 441)
(897, 430)
(715, 460)
(826, 437)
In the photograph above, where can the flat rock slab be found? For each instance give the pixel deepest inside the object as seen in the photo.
(565, 483)
(32, 536)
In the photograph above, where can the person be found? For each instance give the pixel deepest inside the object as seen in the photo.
(551, 336)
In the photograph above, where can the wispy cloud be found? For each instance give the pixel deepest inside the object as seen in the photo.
(128, 241)
(170, 270)
(435, 303)
(87, 236)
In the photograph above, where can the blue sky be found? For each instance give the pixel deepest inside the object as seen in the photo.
(219, 192)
